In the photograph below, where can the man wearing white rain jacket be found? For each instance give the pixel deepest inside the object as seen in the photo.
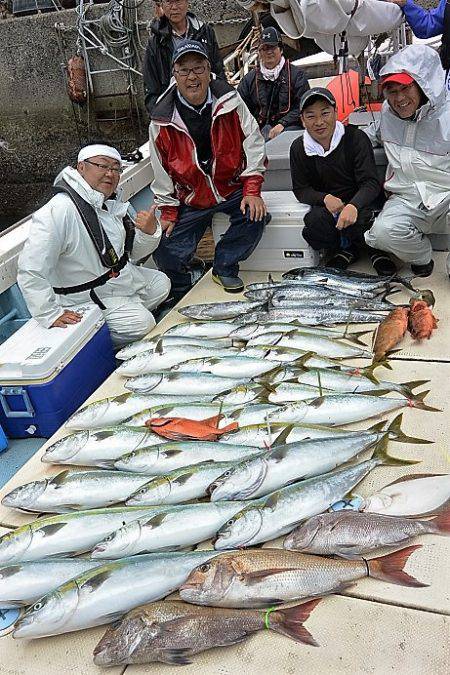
(414, 129)
(61, 265)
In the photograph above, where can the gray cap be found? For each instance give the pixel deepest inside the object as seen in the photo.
(317, 92)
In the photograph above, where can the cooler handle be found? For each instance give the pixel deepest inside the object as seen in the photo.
(16, 391)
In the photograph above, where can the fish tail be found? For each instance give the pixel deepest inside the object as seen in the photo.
(441, 523)
(390, 568)
(397, 434)
(290, 622)
(369, 372)
(413, 384)
(380, 363)
(355, 337)
(381, 454)
(418, 402)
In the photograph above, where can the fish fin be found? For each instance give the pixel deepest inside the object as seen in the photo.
(390, 568)
(50, 529)
(171, 453)
(184, 477)
(283, 436)
(418, 402)
(382, 455)
(382, 363)
(395, 430)
(9, 571)
(95, 582)
(355, 337)
(159, 347)
(272, 500)
(154, 521)
(255, 577)
(304, 358)
(441, 523)
(369, 373)
(290, 622)
(103, 435)
(59, 479)
(178, 657)
(379, 426)
(317, 402)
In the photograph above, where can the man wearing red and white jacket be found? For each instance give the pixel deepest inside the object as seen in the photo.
(208, 157)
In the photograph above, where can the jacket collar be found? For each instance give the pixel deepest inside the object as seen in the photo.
(162, 29)
(224, 97)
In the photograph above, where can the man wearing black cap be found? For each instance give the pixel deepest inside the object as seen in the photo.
(207, 155)
(333, 169)
(272, 90)
(174, 24)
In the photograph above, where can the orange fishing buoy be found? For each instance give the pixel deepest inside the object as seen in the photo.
(76, 79)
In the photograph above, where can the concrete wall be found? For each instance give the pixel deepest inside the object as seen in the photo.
(40, 129)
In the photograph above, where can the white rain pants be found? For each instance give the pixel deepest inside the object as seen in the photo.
(130, 318)
(402, 229)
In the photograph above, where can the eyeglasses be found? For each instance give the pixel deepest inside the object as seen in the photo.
(106, 167)
(185, 72)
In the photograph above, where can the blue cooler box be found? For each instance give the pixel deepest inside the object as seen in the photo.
(46, 374)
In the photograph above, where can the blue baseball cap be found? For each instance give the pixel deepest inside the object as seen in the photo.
(189, 47)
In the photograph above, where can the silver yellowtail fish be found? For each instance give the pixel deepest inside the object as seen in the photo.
(172, 632)
(104, 594)
(316, 315)
(164, 359)
(319, 345)
(162, 459)
(24, 583)
(412, 495)
(201, 384)
(332, 409)
(208, 329)
(99, 447)
(268, 577)
(253, 330)
(343, 382)
(285, 464)
(217, 311)
(135, 348)
(278, 513)
(181, 485)
(110, 411)
(180, 526)
(265, 436)
(67, 534)
(75, 491)
(350, 534)
(237, 366)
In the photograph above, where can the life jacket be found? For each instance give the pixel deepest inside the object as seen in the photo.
(100, 240)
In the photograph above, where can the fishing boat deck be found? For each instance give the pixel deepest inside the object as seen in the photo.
(374, 627)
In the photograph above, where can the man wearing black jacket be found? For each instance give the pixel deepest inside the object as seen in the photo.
(273, 90)
(333, 170)
(176, 24)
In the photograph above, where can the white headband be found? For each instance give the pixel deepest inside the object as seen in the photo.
(98, 149)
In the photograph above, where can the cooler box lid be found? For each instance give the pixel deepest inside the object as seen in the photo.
(36, 353)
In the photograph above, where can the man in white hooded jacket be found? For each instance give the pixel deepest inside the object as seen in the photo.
(414, 129)
(82, 247)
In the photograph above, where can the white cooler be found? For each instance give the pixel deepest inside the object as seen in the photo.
(282, 246)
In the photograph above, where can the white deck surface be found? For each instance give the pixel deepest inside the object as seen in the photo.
(376, 627)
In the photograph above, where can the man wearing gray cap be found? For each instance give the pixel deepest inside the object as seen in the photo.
(333, 170)
(272, 91)
(208, 157)
(82, 247)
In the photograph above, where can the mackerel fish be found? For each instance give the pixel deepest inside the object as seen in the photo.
(320, 345)
(75, 491)
(162, 459)
(285, 464)
(165, 359)
(349, 534)
(24, 583)
(348, 279)
(179, 527)
(216, 311)
(313, 315)
(110, 411)
(298, 283)
(164, 341)
(200, 384)
(303, 289)
(99, 447)
(104, 594)
(180, 485)
(67, 534)
(343, 302)
(207, 329)
(278, 513)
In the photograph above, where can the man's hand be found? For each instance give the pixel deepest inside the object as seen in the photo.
(348, 216)
(276, 131)
(256, 207)
(146, 221)
(67, 318)
(333, 204)
(167, 227)
(400, 3)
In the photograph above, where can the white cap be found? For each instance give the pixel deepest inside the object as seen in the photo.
(98, 149)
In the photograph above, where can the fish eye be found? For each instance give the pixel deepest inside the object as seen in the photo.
(205, 567)
(230, 522)
(227, 473)
(37, 606)
(110, 537)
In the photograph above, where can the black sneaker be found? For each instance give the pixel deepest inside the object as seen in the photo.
(343, 258)
(382, 263)
(423, 270)
(229, 284)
